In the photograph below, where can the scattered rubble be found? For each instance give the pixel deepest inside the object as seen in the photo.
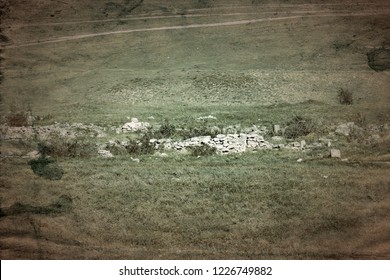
(223, 143)
(345, 129)
(229, 140)
(105, 154)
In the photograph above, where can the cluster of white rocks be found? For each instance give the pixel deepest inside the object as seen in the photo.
(224, 143)
(230, 140)
(135, 126)
(105, 154)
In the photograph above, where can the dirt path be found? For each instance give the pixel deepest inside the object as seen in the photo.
(179, 27)
(156, 17)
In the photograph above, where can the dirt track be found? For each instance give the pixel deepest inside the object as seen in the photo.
(176, 27)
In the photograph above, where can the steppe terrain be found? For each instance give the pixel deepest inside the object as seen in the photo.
(191, 67)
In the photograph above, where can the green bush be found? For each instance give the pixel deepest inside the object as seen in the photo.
(37, 165)
(52, 171)
(166, 130)
(117, 149)
(204, 150)
(202, 130)
(142, 146)
(46, 168)
(299, 126)
(345, 97)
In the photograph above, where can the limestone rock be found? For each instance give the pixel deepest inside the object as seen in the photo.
(105, 154)
(335, 153)
(135, 126)
(207, 117)
(34, 154)
(135, 160)
(276, 129)
(345, 128)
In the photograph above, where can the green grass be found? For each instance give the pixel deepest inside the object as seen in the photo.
(249, 205)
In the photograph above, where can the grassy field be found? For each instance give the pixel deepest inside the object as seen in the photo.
(262, 205)
(244, 62)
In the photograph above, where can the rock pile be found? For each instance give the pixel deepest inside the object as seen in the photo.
(229, 140)
(346, 128)
(135, 126)
(105, 154)
(224, 143)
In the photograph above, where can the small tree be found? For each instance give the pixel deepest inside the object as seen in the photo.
(46, 167)
(299, 126)
(167, 129)
(345, 97)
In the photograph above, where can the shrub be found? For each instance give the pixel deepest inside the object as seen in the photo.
(46, 168)
(166, 129)
(133, 147)
(299, 126)
(52, 171)
(345, 97)
(142, 146)
(37, 165)
(117, 149)
(204, 150)
(202, 130)
(360, 120)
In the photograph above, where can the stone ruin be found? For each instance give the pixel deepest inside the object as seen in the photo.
(230, 140)
(224, 143)
(228, 143)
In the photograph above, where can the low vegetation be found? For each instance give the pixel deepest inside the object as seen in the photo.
(203, 150)
(256, 206)
(166, 130)
(299, 126)
(142, 146)
(60, 146)
(44, 166)
(345, 97)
